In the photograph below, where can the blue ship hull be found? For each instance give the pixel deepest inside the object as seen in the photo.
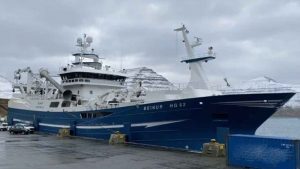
(182, 124)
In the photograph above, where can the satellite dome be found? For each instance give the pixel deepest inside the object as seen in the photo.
(89, 39)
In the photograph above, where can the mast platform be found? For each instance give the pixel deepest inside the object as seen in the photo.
(201, 59)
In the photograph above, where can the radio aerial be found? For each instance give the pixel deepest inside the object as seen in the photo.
(199, 40)
(79, 41)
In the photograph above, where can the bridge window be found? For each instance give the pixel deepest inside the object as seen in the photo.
(65, 104)
(94, 115)
(75, 75)
(54, 104)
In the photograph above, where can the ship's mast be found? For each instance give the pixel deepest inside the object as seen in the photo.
(84, 43)
(198, 79)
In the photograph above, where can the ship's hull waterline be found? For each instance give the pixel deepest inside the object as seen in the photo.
(182, 124)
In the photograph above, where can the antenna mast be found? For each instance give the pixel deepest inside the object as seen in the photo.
(198, 79)
(83, 44)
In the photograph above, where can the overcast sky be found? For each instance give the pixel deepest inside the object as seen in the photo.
(251, 38)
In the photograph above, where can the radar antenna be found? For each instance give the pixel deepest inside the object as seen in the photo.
(84, 43)
(198, 42)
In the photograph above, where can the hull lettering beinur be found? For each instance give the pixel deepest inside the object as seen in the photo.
(93, 101)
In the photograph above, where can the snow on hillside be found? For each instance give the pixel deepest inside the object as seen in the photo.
(295, 101)
(266, 84)
(5, 88)
(152, 81)
(149, 78)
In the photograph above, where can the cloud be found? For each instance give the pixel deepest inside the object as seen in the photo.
(251, 38)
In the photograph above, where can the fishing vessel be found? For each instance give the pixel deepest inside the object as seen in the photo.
(92, 101)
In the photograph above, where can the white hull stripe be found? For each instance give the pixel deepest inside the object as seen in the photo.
(146, 125)
(255, 103)
(54, 125)
(22, 121)
(100, 127)
(153, 124)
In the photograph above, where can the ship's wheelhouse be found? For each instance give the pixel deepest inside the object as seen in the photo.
(68, 77)
(91, 83)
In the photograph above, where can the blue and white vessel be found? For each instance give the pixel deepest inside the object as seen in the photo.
(92, 101)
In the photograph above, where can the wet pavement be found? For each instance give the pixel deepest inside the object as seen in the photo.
(39, 151)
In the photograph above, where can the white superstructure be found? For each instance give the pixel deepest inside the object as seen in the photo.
(89, 78)
(88, 84)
